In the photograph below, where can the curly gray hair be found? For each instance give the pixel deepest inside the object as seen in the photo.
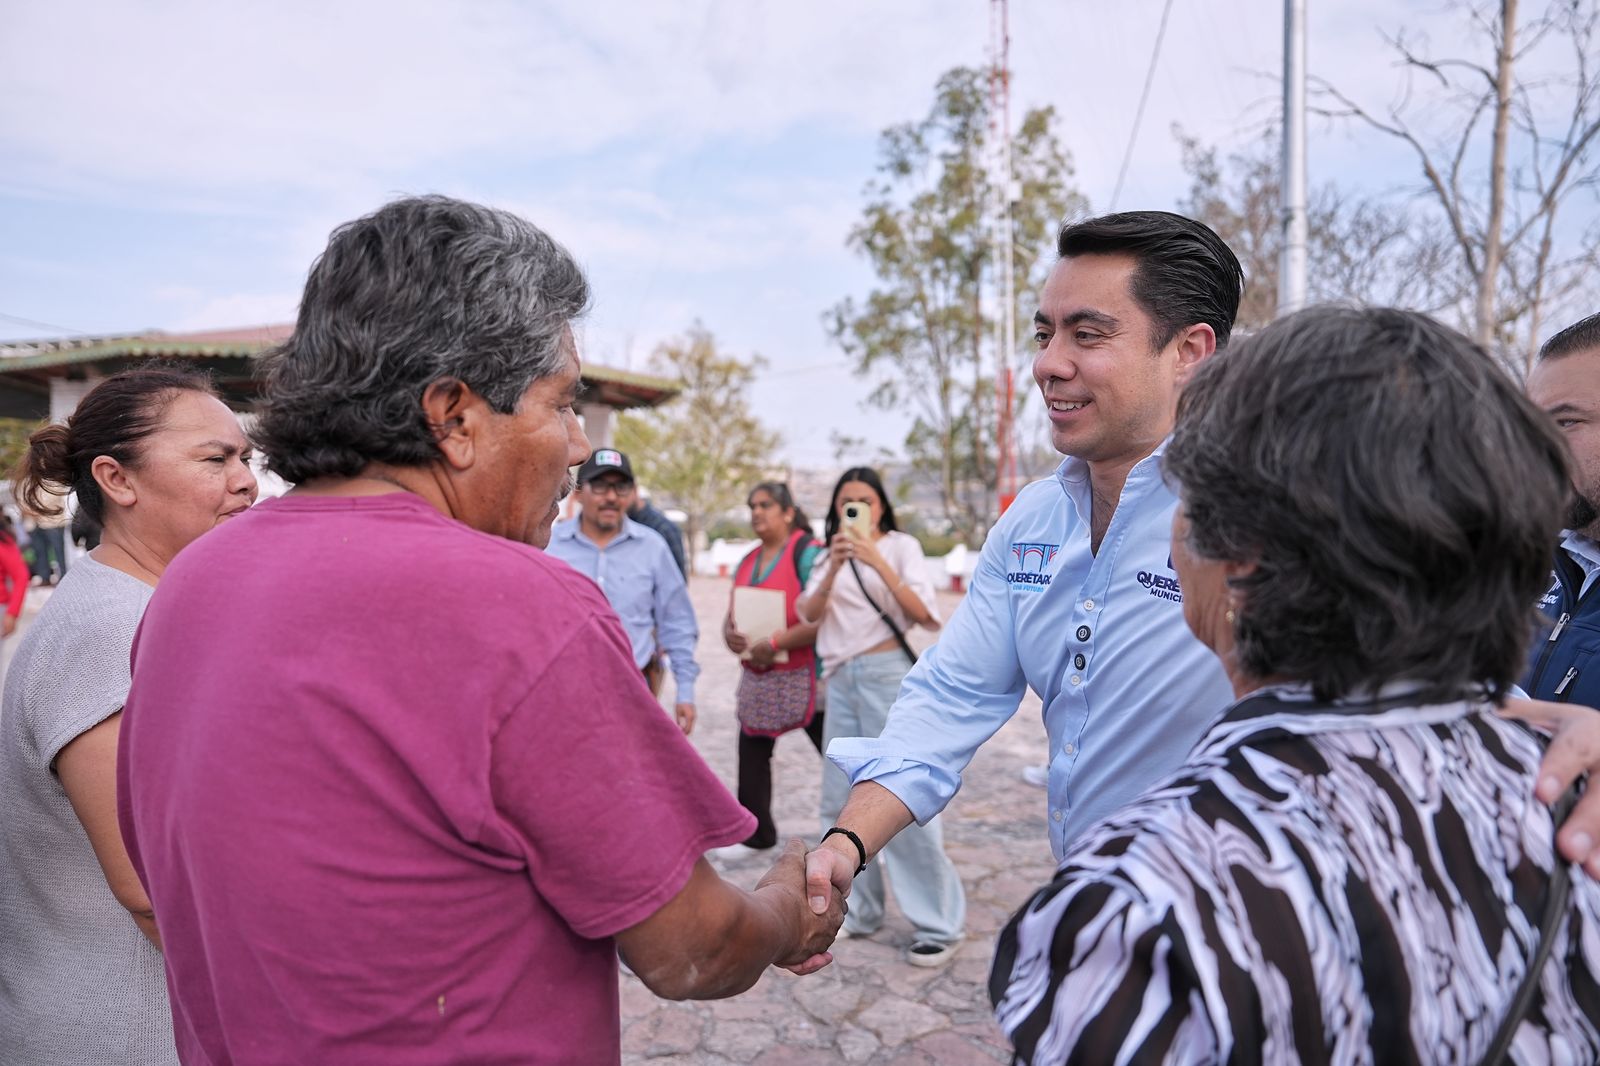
(425, 288)
(1398, 493)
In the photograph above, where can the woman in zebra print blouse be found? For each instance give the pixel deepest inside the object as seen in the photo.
(1353, 868)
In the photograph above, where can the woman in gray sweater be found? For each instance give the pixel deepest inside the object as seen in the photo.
(158, 459)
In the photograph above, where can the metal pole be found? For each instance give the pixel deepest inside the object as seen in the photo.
(1006, 194)
(1292, 262)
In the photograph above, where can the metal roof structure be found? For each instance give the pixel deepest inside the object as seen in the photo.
(28, 367)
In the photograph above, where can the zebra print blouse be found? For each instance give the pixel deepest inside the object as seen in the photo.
(1359, 882)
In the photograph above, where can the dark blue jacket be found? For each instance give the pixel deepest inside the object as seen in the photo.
(649, 515)
(1564, 664)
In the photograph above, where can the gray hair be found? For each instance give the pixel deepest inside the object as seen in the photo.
(1398, 493)
(424, 289)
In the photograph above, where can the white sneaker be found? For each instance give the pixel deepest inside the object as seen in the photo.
(1038, 776)
(735, 852)
(927, 953)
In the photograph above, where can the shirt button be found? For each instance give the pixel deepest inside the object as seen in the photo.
(1083, 632)
(1088, 605)
(1079, 661)
(1069, 749)
(1075, 679)
(1055, 815)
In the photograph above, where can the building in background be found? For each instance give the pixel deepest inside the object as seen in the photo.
(45, 379)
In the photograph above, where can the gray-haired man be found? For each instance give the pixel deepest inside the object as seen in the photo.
(391, 777)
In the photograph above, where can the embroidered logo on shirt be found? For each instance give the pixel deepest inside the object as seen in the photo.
(1163, 588)
(1549, 598)
(1031, 559)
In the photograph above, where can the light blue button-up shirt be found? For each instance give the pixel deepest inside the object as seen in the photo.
(1127, 690)
(637, 573)
(1584, 552)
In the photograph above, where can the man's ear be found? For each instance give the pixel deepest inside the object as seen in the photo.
(1195, 345)
(114, 482)
(457, 416)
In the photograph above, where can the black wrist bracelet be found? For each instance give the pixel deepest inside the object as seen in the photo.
(861, 848)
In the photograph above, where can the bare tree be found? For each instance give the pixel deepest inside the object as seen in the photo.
(1534, 97)
(1362, 249)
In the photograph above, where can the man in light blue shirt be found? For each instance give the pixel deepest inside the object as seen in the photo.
(635, 569)
(1074, 594)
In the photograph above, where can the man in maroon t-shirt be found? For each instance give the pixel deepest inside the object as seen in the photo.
(388, 772)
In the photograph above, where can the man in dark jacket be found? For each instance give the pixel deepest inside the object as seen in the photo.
(647, 514)
(1566, 383)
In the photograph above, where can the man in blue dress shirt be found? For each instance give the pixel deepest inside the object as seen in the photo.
(634, 568)
(1074, 594)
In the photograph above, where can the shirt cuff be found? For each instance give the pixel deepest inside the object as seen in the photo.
(685, 692)
(924, 789)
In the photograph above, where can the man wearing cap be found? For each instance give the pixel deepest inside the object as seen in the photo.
(635, 569)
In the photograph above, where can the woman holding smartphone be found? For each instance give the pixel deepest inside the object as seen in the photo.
(873, 588)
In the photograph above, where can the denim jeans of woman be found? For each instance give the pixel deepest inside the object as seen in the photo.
(925, 882)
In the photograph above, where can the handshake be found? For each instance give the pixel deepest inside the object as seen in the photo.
(807, 888)
(713, 939)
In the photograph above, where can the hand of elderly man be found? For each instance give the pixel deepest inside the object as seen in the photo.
(814, 932)
(1574, 751)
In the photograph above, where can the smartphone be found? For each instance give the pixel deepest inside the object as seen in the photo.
(856, 520)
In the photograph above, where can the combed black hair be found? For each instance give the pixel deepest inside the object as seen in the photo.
(1186, 274)
(1582, 336)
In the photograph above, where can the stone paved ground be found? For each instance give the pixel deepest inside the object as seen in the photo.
(870, 1006)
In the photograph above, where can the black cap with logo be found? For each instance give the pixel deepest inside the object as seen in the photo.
(604, 461)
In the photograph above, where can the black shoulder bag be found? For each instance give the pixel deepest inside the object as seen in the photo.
(1557, 892)
(900, 638)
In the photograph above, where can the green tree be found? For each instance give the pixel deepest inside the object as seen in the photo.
(704, 449)
(921, 336)
(14, 434)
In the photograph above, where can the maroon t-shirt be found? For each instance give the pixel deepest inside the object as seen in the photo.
(393, 784)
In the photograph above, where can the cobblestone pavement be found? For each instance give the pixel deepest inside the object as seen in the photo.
(870, 1006)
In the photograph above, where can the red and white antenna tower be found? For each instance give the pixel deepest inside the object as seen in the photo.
(1006, 193)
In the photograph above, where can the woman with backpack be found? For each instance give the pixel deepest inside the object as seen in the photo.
(778, 685)
(873, 588)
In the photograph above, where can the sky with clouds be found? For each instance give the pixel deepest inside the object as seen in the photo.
(176, 164)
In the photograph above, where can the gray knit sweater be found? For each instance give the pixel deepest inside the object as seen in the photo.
(79, 985)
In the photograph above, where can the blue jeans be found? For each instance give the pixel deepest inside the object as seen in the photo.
(49, 548)
(926, 885)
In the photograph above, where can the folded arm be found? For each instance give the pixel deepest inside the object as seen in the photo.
(87, 768)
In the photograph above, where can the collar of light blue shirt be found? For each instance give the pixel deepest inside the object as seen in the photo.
(572, 529)
(1076, 470)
